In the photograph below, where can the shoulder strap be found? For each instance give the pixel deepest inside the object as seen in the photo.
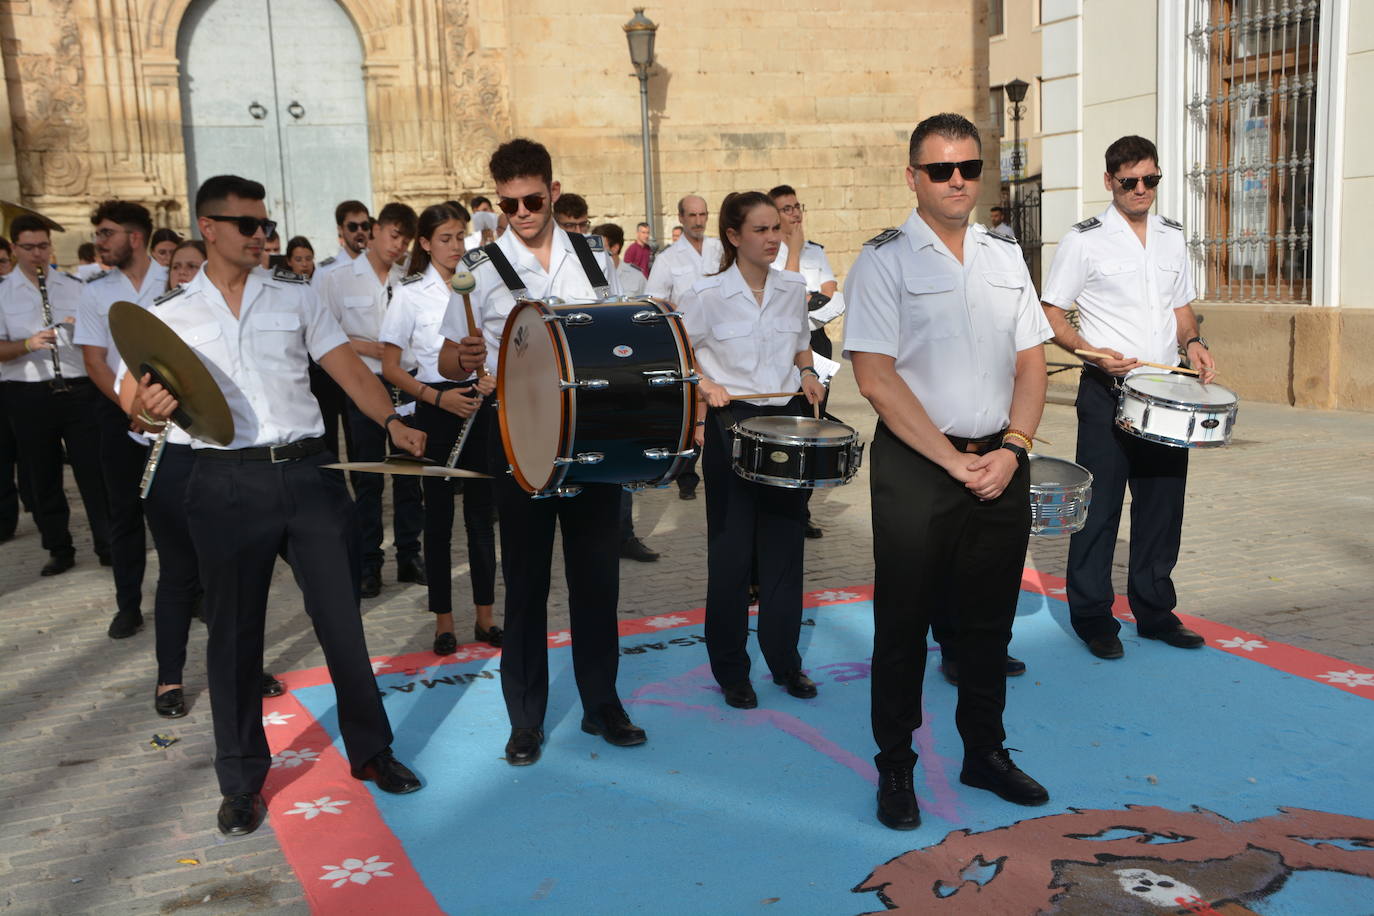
(589, 265)
(505, 269)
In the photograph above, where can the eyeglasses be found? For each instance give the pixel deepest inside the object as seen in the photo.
(101, 235)
(1128, 184)
(584, 226)
(941, 172)
(364, 226)
(248, 226)
(511, 205)
(33, 246)
(789, 209)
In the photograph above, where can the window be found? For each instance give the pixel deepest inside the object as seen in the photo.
(995, 23)
(1251, 121)
(997, 111)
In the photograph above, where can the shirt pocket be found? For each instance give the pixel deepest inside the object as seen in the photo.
(1117, 270)
(277, 339)
(1166, 279)
(932, 312)
(208, 341)
(1007, 290)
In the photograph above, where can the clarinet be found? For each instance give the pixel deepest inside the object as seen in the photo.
(457, 449)
(59, 384)
(154, 459)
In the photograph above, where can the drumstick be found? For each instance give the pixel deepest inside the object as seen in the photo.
(766, 394)
(464, 283)
(1093, 354)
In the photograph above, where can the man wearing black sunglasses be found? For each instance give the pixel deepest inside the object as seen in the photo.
(355, 231)
(1129, 276)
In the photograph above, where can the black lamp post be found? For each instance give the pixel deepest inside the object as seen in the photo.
(1016, 94)
(639, 33)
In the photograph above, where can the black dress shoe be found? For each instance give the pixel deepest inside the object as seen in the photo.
(897, 806)
(370, 586)
(993, 770)
(523, 747)
(1179, 638)
(491, 635)
(7, 533)
(240, 815)
(105, 559)
(125, 625)
(170, 705)
(797, 684)
(271, 687)
(686, 492)
(634, 549)
(57, 565)
(1015, 667)
(1106, 646)
(445, 644)
(613, 723)
(411, 571)
(389, 774)
(741, 696)
(813, 532)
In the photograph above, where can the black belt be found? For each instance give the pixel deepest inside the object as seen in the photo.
(301, 448)
(1111, 382)
(979, 446)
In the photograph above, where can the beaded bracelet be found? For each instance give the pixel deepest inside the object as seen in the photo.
(1016, 434)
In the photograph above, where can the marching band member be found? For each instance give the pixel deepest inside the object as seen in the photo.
(186, 261)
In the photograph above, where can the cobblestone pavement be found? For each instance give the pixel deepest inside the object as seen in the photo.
(94, 820)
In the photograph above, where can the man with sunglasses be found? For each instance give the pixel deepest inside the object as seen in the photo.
(537, 259)
(945, 334)
(267, 490)
(1128, 273)
(355, 230)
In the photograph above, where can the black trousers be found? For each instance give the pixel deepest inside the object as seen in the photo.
(935, 545)
(591, 557)
(45, 422)
(627, 515)
(178, 576)
(240, 514)
(479, 510)
(750, 525)
(1158, 476)
(370, 443)
(333, 409)
(14, 478)
(121, 464)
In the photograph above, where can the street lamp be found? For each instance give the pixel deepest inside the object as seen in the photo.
(1016, 94)
(639, 34)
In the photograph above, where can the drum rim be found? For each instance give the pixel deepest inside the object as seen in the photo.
(796, 440)
(1087, 484)
(1177, 443)
(795, 483)
(568, 405)
(1160, 399)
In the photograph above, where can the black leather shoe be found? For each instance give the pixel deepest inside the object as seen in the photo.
(897, 806)
(523, 747)
(1179, 638)
(445, 644)
(170, 705)
(994, 771)
(271, 687)
(125, 625)
(370, 586)
(57, 565)
(411, 571)
(389, 774)
(613, 724)
(1015, 667)
(741, 696)
(634, 549)
(7, 533)
(686, 492)
(240, 815)
(105, 559)
(1106, 647)
(797, 684)
(813, 531)
(491, 635)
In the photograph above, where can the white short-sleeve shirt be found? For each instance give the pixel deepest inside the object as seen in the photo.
(1126, 292)
(412, 322)
(632, 280)
(742, 345)
(260, 358)
(679, 265)
(358, 301)
(326, 266)
(954, 329)
(103, 291)
(815, 267)
(21, 316)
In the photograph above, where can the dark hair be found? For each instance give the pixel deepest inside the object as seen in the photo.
(429, 221)
(521, 158)
(273, 235)
(478, 201)
(5, 245)
(570, 204)
(948, 125)
(1002, 210)
(460, 210)
(298, 241)
(1130, 149)
(349, 206)
(400, 214)
(127, 214)
(163, 235)
(28, 222)
(197, 244)
(782, 190)
(86, 251)
(613, 234)
(221, 188)
(733, 209)
(641, 226)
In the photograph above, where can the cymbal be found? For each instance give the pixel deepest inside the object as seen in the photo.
(11, 210)
(148, 345)
(401, 466)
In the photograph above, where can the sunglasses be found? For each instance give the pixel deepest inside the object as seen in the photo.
(1151, 181)
(585, 226)
(511, 205)
(364, 226)
(248, 226)
(941, 172)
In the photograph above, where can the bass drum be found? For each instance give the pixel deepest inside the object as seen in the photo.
(597, 393)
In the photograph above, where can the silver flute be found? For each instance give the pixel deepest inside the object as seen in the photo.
(154, 459)
(457, 449)
(58, 382)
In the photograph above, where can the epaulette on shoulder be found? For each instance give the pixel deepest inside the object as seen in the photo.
(170, 294)
(412, 278)
(1171, 223)
(1091, 222)
(327, 261)
(882, 238)
(595, 242)
(100, 276)
(817, 244)
(1010, 239)
(288, 276)
(474, 258)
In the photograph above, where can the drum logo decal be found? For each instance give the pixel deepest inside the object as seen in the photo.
(521, 340)
(777, 457)
(622, 351)
(1211, 423)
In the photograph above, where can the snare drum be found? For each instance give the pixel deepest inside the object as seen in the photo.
(596, 393)
(1059, 495)
(1176, 410)
(796, 452)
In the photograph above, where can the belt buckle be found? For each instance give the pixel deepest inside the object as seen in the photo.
(272, 453)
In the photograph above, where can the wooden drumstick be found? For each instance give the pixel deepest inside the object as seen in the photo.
(766, 394)
(464, 283)
(1093, 354)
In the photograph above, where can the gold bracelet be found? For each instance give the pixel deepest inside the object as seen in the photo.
(1012, 434)
(27, 348)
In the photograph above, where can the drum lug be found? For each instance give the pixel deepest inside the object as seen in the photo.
(659, 454)
(635, 486)
(575, 318)
(662, 378)
(581, 458)
(648, 316)
(591, 384)
(567, 492)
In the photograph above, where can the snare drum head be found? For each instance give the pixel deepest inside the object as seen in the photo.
(1056, 472)
(1181, 389)
(782, 429)
(532, 406)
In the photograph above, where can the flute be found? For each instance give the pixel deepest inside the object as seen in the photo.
(464, 283)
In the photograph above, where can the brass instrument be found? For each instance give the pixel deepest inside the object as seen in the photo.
(59, 384)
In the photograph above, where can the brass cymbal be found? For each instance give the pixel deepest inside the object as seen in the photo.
(10, 210)
(148, 345)
(402, 466)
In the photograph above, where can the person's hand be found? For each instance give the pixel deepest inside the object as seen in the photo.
(406, 438)
(472, 353)
(43, 340)
(714, 394)
(812, 388)
(1117, 365)
(794, 235)
(994, 471)
(462, 402)
(699, 436)
(486, 384)
(371, 348)
(157, 401)
(1199, 357)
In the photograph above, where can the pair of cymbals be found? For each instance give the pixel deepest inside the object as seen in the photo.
(417, 467)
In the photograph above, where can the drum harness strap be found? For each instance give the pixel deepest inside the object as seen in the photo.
(506, 270)
(580, 248)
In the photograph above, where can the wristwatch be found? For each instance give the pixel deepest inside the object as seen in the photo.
(1015, 449)
(1193, 340)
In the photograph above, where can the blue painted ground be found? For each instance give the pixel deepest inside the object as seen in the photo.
(724, 810)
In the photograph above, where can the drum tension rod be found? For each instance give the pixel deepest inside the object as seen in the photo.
(648, 316)
(570, 318)
(581, 458)
(665, 453)
(662, 378)
(588, 383)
